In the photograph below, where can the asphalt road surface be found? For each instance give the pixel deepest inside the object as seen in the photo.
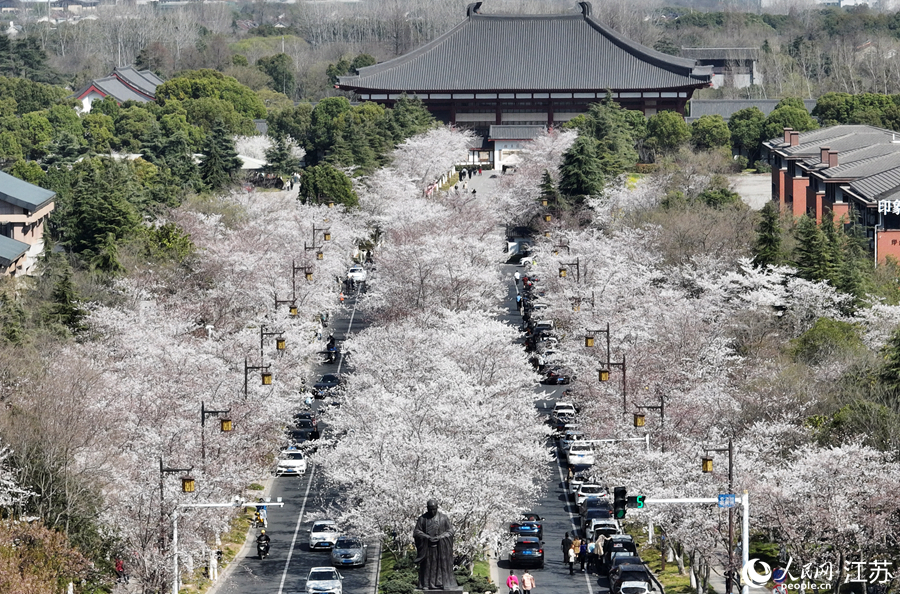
(305, 498)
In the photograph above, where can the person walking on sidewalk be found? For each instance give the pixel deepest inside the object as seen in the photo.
(512, 583)
(527, 582)
(572, 557)
(566, 545)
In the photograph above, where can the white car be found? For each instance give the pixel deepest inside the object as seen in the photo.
(635, 588)
(357, 273)
(580, 454)
(323, 535)
(564, 408)
(291, 462)
(589, 490)
(324, 580)
(571, 436)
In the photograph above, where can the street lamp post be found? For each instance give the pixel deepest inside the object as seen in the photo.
(707, 466)
(661, 407)
(225, 425)
(266, 374)
(187, 486)
(563, 269)
(280, 342)
(603, 374)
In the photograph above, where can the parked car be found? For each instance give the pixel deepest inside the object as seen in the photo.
(324, 580)
(592, 502)
(575, 483)
(566, 408)
(357, 273)
(627, 572)
(587, 490)
(634, 588)
(607, 528)
(290, 462)
(624, 558)
(595, 513)
(617, 545)
(557, 377)
(349, 550)
(569, 436)
(580, 454)
(326, 386)
(528, 551)
(529, 525)
(323, 534)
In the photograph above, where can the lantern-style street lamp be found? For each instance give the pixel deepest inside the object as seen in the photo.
(706, 465)
(225, 425)
(266, 374)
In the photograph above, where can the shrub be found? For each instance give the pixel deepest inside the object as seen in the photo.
(741, 162)
(762, 167)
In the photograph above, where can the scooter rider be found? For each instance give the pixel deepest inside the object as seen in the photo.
(262, 543)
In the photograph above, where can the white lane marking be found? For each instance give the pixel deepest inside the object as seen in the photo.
(287, 563)
(349, 325)
(575, 529)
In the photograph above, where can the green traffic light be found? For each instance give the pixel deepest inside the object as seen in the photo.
(620, 513)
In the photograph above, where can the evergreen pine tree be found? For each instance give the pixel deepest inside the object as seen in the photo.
(548, 188)
(106, 259)
(220, 161)
(811, 256)
(64, 309)
(889, 374)
(834, 245)
(767, 251)
(99, 207)
(12, 319)
(580, 170)
(279, 159)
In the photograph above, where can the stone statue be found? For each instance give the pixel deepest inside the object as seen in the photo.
(434, 546)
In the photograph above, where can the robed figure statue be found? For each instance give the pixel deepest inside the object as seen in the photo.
(434, 546)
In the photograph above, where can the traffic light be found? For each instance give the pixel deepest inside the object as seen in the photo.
(635, 501)
(620, 500)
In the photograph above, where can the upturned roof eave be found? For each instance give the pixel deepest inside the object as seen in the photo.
(599, 89)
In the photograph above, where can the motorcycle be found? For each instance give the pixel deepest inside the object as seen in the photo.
(262, 549)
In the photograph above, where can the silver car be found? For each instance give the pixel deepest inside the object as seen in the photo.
(324, 580)
(349, 551)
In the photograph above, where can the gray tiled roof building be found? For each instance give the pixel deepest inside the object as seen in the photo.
(500, 69)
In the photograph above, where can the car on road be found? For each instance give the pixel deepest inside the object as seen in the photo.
(349, 551)
(580, 454)
(591, 502)
(627, 572)
(308, 426)
(575, 483)
(566, 408)
(624, 558)
(291, 462)
(357, 273)
(323, 534)
(529, 525)
(589, 490)
(307, 414)
(326, 385)
(324, 580)
(634, 588)
(607, 528)
(571, 435)
(592, 515)
(528, 551)
(617, 545)
(557, 377)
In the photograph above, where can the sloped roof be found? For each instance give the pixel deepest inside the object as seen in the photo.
(810, 142)
(144, 81)
(11, 250)
(856, 153)
(721, 53)
(23, 194)
(863, 167)
(111, 86)
(530, 52)
(876, 186)
(728, 107)
(515, 132)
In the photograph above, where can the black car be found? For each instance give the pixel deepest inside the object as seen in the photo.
(598, 513)
(307, 414)
(307, 426)
(592, 502)
(529, 525)
(325, 386)
(617, 544)
(624, 559)
(627, 572)
(528, 551)
(557, 377)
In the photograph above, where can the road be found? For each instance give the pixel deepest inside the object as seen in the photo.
(305, 498)
(558, 512)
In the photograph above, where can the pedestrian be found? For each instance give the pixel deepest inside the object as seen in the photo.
(479, 171)
(456, 188)
(512, 582)
(342, 297)
(518, 277)
(591, 556)
(264, 516)
(566, 545)
(572, 560)
(473, 193)
(582, 554)
(527, 582)
(465, 185)
(120, 571)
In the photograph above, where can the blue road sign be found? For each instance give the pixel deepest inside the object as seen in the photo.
(726, 500)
